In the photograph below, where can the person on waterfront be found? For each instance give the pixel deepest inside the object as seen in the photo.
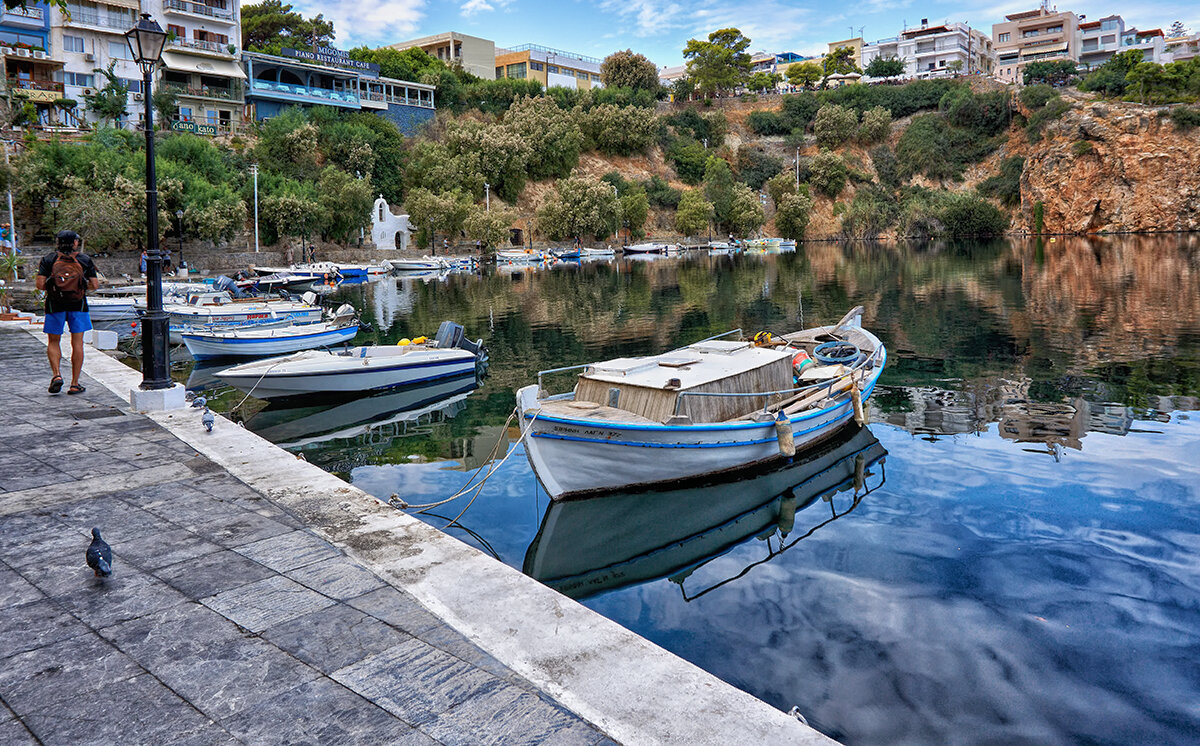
(142, 264)
(445, 245)
(66, 275)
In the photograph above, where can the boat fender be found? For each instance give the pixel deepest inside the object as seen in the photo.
(404, 342)
(783, 432)
(420, 340)
(860, 415)
(787, 512)
(763, 339)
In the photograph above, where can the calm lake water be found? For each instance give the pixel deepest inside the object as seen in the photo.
(1010, 553)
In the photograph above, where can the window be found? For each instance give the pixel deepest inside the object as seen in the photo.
(1004, 37)
(72, 43)
(1110, 39)
(552, 69)
(185, 113)
(581, 75)
(119, 50)
(536, 66)
(179, 31)
(1054, 29)
(516, 71)
(499, 72)
(135, 86)
(79, 79)
(595, 78)
(1090, 45)
(1108, 25)
(212, 117)
(1029, 33)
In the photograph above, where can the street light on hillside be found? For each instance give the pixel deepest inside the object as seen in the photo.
(146, 41)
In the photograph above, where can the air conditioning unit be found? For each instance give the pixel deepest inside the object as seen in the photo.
(137, 97)
(22, 52)
(39, 55)
(88, 91)
(89, 57)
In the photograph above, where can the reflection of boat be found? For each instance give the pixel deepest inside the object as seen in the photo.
(359, 369)
(295, 427)
(584, 547)
(713, 407)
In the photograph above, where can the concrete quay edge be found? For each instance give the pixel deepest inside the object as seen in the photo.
(635, 691)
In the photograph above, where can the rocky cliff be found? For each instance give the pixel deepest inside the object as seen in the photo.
(1112, 167)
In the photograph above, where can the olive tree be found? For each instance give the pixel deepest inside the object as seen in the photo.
(694, 213)
(493, 228)
(629, 70)
(792, 214)
(581, 206)
(745, 211)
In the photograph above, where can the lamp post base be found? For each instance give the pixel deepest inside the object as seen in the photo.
(158, 400)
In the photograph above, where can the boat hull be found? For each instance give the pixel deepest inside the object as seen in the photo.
(211, 346)
(580, 458)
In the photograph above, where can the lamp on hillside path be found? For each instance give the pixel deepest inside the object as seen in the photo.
(146, 41)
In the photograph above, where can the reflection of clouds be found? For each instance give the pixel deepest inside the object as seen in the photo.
(1016, 607)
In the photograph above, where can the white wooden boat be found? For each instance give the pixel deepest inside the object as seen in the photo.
(218, 308)
(705, 410)
(424, 264)
(359, 369)
(645, 248)
(586, 253)
(263, 341)
(585, 547)
(322, 272)
(520, 256)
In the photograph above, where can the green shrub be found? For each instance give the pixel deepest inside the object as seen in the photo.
(901, 100)
(798, 110)
(660, 193)
(754, 166)
(834, 125)
(872, 212)
(886, 169)
(688, 158)
(829, 173)
(920, 217)
(766, 123)
(876, 125)
(932, 147)
(984, 113)
(792, 215)
(1185, 117)
(1039, 217)
(968, 215)
(1053, 109)
(1035, 96)
(1081, 148)
(1006, 185)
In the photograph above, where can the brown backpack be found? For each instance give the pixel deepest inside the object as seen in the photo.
(66, 279)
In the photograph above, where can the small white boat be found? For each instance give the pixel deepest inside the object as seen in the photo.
(219, 308)
(359, 369)
(262, 341)
(709, 409)
(520, 256)
(424, 264)
(586, 253)
(112, 308)
(645, 248)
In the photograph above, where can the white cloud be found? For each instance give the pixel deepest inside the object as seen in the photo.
(473, 7)
(649, 17)
(372, 22)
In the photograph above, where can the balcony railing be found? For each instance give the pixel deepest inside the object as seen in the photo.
(329, 94)
(199, 9)
(233, 93)
(34, 14)
(207, 46)
(84, 18)
(35, 85)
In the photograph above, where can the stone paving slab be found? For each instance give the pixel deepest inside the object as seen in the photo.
(225, 621)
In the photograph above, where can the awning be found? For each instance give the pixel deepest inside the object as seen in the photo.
(1046, 49)
(131, 4)
(193, 64)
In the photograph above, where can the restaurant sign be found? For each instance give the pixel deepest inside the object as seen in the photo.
(329, 56)
(195, 128)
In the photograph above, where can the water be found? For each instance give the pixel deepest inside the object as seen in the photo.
(1010, 553)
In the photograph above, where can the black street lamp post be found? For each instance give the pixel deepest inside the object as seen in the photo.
(146, 41)
(54, 203)
(179, 234)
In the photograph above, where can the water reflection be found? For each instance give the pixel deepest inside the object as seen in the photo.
(585, 547)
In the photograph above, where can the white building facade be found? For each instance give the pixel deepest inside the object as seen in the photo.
(1100, 40)
(91, 39)
(938, 50)
(201, 62)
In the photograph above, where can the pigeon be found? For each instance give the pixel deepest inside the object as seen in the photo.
(207, 419)
(99, 555)
(198, 402)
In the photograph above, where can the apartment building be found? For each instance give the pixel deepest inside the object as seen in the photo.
(200, 60)
(91, 37)
(477, 56)
(551, 67)
(32, 73)
(1181, 48)
(1043, 34)
(1100, 40)
(936, 50)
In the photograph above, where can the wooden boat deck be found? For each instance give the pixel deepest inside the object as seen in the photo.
(590, 410)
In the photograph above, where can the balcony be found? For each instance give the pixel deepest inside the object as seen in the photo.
(291, 89)
(115, 24)
(233, 93)
(197, 9)
(204, 47)
(25, 17)
(35, 85)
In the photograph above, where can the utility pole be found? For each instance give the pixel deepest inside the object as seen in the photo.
(797, 170)
(487, 196)
(254, 172)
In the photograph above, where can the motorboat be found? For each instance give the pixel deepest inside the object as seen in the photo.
(323, 272)
(278, 281)
(217, 308)
(572, 253)
(520, 256)
(717, 406)
(424, 264)
(645, 248)
(261, 341)
(606, 252)
(112, 308)
(585, 547)
(721, 248)
(359, 369)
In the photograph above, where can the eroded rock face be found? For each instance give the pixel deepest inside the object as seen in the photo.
(1137, 172)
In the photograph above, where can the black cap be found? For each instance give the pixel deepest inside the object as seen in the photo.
(66, 240)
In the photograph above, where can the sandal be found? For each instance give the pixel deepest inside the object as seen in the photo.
(76, 389)
(56, 385)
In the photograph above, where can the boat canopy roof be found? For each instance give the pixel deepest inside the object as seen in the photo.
(695, 365)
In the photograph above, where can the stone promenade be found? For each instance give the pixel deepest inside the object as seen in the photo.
(227, 620)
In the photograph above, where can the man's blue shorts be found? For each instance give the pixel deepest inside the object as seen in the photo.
(79, 321)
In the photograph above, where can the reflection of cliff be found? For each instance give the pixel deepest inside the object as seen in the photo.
(925, 410)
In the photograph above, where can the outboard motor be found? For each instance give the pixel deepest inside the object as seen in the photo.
(227, 284)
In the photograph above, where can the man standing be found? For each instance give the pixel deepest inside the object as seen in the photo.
(66, 276)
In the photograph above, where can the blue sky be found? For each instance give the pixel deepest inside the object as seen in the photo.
(660, 29)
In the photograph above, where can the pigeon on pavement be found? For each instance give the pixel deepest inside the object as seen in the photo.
(207, 419)
(99, 555)
(198, 402)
